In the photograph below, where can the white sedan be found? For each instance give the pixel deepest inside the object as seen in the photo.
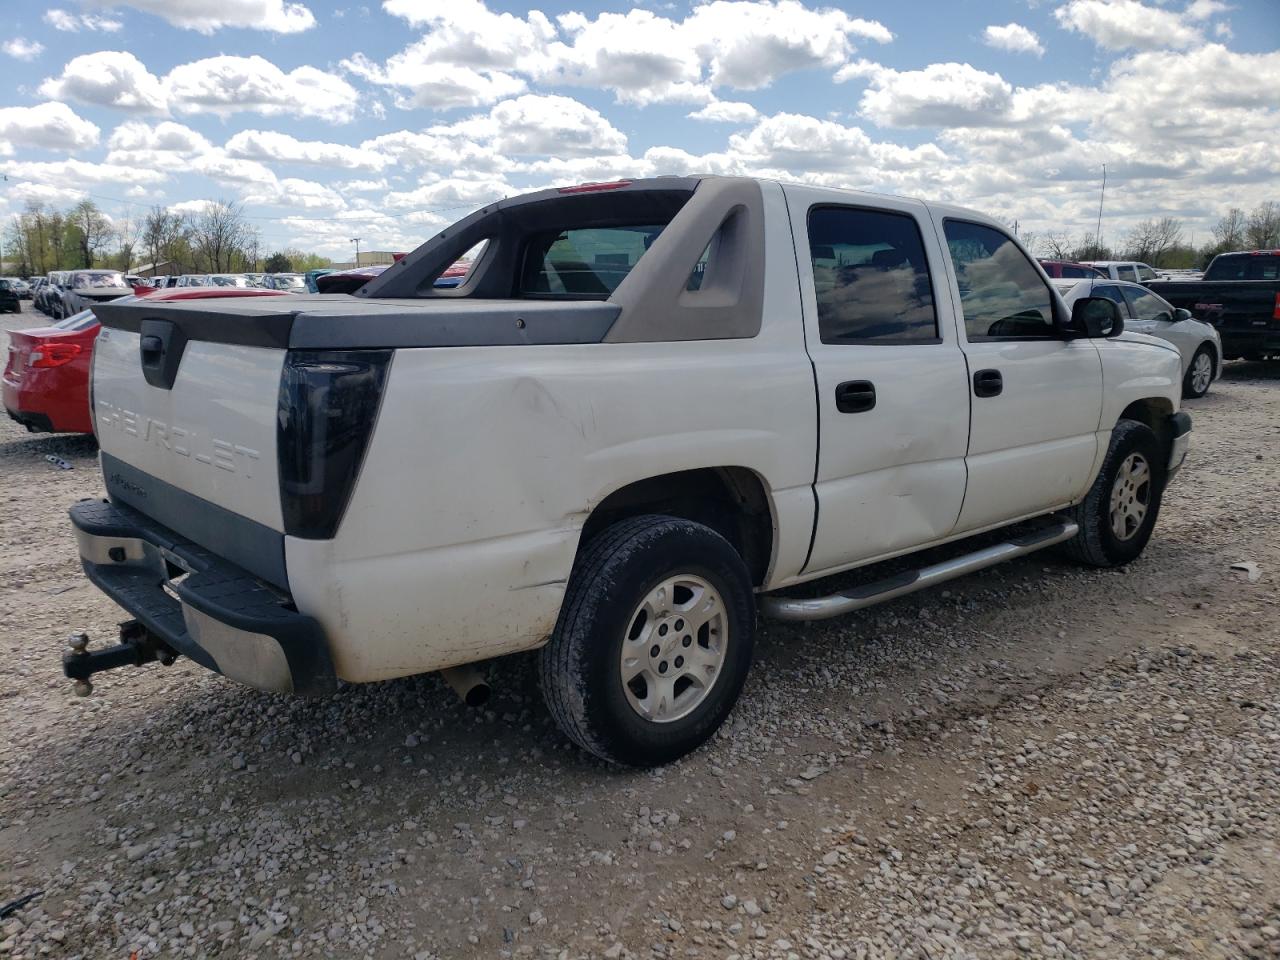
(1146, 312)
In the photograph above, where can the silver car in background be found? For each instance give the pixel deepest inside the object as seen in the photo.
(1147, 312)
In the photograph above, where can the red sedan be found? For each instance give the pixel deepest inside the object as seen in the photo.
(46, 380)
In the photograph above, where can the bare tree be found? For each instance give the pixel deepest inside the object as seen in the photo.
(218, 232)
(128, 230)
(93, 230)
(1151, 238)
(161, 231)
(1088, 248)
(1056, 244)
(1263, 230)
(1228, 232)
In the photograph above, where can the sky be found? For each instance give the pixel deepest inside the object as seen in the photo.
(386, 120)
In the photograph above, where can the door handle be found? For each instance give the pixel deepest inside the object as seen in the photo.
(855, 396)
(987, 383)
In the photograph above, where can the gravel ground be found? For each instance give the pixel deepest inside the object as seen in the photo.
(1040, 761)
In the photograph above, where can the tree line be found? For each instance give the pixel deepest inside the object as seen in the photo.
(215, 238)
(1162, 241)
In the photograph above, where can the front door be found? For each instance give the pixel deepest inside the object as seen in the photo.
(893, 401)
(1037, 398)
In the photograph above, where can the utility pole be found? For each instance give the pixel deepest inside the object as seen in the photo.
(356, 241)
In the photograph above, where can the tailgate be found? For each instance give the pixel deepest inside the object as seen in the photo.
(185, 407)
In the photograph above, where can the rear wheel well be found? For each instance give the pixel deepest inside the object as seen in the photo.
(730, 500)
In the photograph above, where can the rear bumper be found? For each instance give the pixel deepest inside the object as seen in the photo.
(1179, 442)
(35, 422)
(1241, 343)
(205, 608)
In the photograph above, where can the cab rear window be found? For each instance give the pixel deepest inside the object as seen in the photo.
(583, 263)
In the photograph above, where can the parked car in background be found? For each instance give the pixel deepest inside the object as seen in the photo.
(348, 281)
(10, 302)
(1240, 295)
(288, 282)
(19, 286)
(37, 285)
(84, 288)
(229, 280)
(1147, 312)
(1131, 270)
(48, 291)
(255, 279)
(1069, 268)
(192, 280)
(313, 275)
(46, 377)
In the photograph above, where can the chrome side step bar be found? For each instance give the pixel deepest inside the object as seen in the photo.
(869, 594)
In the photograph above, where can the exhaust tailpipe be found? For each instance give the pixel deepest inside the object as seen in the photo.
(468, 683)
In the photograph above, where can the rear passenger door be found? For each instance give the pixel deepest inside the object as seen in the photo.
(1037, 398)
(893, 404)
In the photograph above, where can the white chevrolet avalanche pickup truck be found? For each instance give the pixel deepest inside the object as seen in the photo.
(650, 409)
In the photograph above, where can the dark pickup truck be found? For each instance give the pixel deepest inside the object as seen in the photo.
(1240, 295)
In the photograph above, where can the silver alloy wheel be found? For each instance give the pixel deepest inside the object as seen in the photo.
(1130, 496)
(674, 649)
(1201, 372)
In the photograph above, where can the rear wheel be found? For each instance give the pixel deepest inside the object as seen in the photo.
(653, 643)
(1118, 514)
(1199, 374)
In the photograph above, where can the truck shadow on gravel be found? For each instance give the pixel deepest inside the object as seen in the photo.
(937, 652)
(1243, 371)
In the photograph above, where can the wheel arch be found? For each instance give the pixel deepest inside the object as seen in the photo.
(732, 500)
(1155, 413)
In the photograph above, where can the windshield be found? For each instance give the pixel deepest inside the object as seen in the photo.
(288, 281)
(98, 280)
(1244, 266)
(228, 281)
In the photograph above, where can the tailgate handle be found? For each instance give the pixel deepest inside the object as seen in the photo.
(160, 344)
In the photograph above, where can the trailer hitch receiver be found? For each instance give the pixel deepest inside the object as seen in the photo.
(137, 646)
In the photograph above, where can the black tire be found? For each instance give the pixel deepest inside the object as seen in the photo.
(580, 668)
(1189, 391)
(1097, 544)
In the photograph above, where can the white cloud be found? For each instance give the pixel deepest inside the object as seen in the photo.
(446, 194)
(206, 16)
(469, 55)
(1013, 37)
(726, 111)
(535, 125)
(433, 83)
(47, 126)
(21, 48)
(227, 84)
(74, 22)
(940, 95)
(363, 186)
(233, 171)
(271, 146)
(167, 136)
(1124, 24)
(108, 78)
(62, 172)
(295, 193)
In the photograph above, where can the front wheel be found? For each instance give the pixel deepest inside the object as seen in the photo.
(653, 643)
(1199, 374)
(1119, 512)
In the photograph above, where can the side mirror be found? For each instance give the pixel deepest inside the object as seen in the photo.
(1096, 317)
(1180, 314)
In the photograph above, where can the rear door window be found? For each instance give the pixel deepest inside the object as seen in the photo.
(1111, 292)
(583, 263)
(1146, 305)
(1127, 273)
(871, 277)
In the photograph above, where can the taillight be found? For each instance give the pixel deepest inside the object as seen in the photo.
(53, 354)
(328, 404)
